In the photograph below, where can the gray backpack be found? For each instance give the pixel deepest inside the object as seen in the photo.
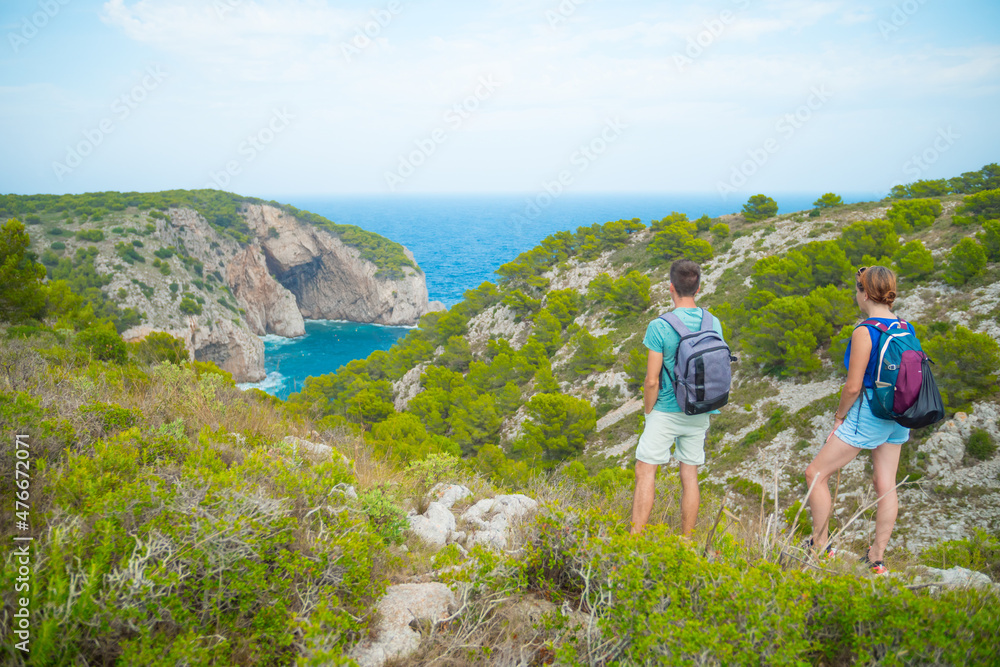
(702, 374)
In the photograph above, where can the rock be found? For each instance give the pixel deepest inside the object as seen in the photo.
(329, 279)
(408, 386)
(436, 307)
(433, 526)
(959, 576)
(449, 494)
(270, 308)
(619, 414)
(298, 444)
(402, 605)
(495, 516)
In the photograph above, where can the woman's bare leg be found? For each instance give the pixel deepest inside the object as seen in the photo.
(833, 456)
(885, 460)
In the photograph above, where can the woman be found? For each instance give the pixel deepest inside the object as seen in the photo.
(856, 428)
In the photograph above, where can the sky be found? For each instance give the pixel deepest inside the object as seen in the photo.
(309, 97)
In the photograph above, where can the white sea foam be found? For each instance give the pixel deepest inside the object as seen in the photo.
(270, 384)
(277, 341)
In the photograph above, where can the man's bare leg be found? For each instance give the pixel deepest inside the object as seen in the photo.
(690, 498)
(645, 491)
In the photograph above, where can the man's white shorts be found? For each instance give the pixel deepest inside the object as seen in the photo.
(664, 429)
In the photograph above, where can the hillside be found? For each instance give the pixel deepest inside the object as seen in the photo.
(463, 498)
(215, 269)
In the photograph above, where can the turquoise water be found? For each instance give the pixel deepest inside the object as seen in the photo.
(459, 241)
(325, 347)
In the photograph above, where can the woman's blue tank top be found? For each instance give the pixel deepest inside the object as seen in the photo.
(875, 334)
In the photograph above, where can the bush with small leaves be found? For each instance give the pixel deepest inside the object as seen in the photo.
(759, 207)
(675, 242)
(911, 214)
(91, 235)
(876, 238)
(104, 343)
(592, 355)
(829, 200)
(522, 304)
(720, 231)
(556, 429)
(635, 367)
(978, 208)
(564, 305)
(630, 294)
(989, 238)
(386, 517)
(980, 445)
(703, 224)
(914, 261)
(189, 306)
(966, 365)
(601, 287)
(965, 261)
(160, 346)
(674, 218)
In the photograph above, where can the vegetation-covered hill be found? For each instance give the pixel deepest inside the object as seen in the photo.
(177, 520)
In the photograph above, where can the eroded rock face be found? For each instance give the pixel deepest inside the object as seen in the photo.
(329, 279)
(433, 526)
(269, 307)
(402, 605)
(494, 517)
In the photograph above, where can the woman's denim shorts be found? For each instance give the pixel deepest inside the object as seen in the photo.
(864, 430)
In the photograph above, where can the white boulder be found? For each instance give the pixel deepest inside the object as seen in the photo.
(402, 604)
(494, 518)
(435, 525)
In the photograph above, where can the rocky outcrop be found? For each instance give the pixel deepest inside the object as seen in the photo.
(329, 279)
(288, 272)
(402, 605)
(269, 307)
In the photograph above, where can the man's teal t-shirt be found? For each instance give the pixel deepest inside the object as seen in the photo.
(661, 337)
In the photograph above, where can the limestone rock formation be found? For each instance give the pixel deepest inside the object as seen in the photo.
(270, 308)
(402, 605)
(288, 272)
(329, 279)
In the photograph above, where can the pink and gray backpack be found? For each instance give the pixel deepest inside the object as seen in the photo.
(905, 391)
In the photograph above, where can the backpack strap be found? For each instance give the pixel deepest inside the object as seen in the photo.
(875, 323)
(707, 320)
(675, 322)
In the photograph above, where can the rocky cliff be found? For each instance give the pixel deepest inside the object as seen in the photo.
(220, 294)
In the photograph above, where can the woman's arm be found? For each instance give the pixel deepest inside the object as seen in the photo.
(861, 349)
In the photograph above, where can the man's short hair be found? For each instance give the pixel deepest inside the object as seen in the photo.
(685, 276)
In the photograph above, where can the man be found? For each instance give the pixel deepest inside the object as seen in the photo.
(666, 425)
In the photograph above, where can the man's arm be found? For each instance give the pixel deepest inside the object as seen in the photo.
(651, 386)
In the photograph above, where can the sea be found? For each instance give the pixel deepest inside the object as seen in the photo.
(459, 241)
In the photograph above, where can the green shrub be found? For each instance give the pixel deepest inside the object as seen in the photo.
(58, 245)
(703, 224)
(829, 200)
(104, 343)
(592, 354)
(675, 218)
(564, 305)
(635, 367)
(159, 347)
(913, 214)
(720, 231)
(111, 417)
(676, 242)
(556, 429)
(965, 261)
(876, 238)
(966, 365)
(522, 304)
(980, 553)
(980, 445)
(128, 253)
(989, 238)
(630, 294)
(914, 261)
(91, 235)
(22, 295)
(759, 207)
(979, 208)
(189, 306)
(386, 517)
